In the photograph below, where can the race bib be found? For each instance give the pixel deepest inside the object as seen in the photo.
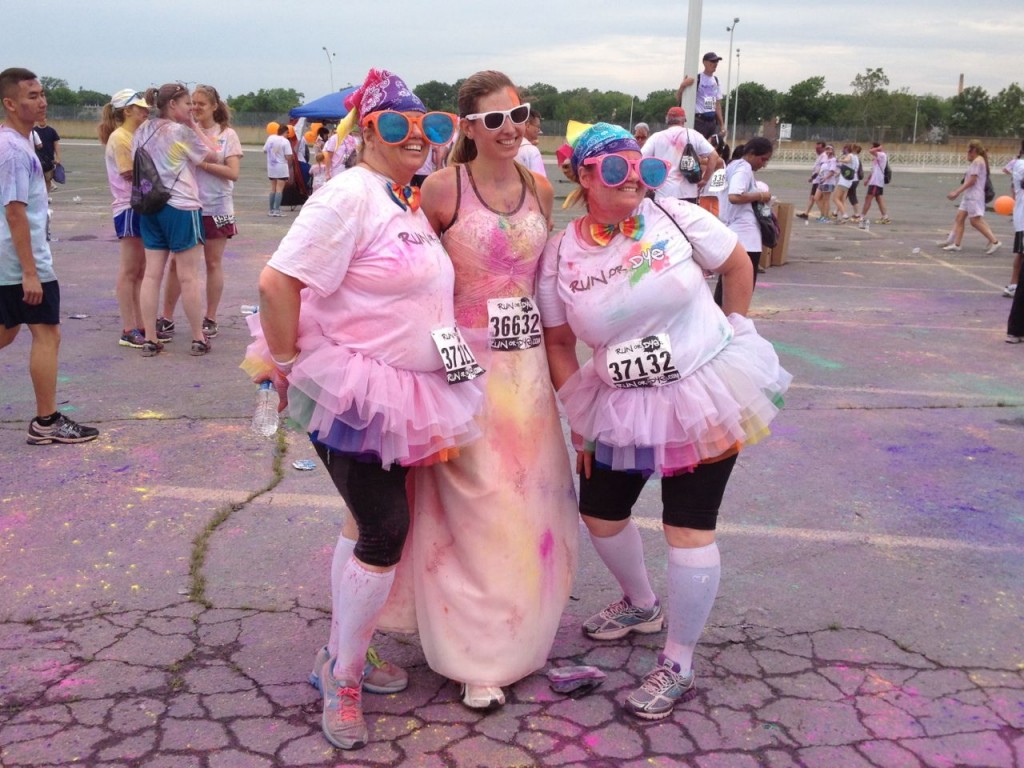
(709, 103)
(645, 362)
(513, 323)
(459, 363)
(688, 163)
(717, 183)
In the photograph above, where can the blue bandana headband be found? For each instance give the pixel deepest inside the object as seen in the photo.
(601, 139)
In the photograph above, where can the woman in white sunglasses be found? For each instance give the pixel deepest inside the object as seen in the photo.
(496, 529)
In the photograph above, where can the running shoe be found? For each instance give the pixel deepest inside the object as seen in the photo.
(662, 688)
(342, 720)
(379, 676)
(1014, 339)
(802, 215)
(163, 325)
(993, 248)
(486, 697)
(200, 347)
(1010, 290)
(63, 430)
(134, 338)
(885, 220)
(209, 327)
(823, 220)
(621, 618)
(152, 348)
(952, 247)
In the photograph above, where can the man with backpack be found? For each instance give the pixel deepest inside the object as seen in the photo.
(880, 176)
(683, 149)
(709, 97)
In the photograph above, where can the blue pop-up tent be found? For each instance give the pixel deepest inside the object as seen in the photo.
(329, 107)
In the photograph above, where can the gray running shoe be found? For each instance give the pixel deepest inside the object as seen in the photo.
(662, 688)
(621, 618)
(342, 721)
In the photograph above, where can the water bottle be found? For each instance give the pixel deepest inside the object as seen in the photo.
(249, 309)
(264, 419)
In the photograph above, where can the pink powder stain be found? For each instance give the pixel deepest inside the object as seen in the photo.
(547, 544)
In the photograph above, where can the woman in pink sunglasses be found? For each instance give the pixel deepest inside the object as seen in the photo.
(675, 387)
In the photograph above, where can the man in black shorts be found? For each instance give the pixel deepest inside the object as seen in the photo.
(29, 293)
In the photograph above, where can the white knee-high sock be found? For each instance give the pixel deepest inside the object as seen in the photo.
(277, 200)
(342, 552)
(272, 196)
(361, 596)
(623, 553)
(693, 576)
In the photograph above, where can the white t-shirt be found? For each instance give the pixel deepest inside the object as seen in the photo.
(214, 191)
(531, 157)
(378, 279)
(340, 155)
(709, 93)
(976, 192)
(739, 217)
(278, 150)
(176, 150)
(632, 289)
(877, 178)
(1016, 169)
(668, 145)
(21, 181)
(117, 156)
(828, 172)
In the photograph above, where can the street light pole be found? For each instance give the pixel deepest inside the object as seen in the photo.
(330, 63)
(631, 100)
(736, 104)
(728, 76)
(917, 104)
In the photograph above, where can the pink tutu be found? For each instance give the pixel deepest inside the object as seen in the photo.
(728, 401)
(358, 405)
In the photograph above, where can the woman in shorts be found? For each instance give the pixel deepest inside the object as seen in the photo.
(125, 112)
(216, 177)
(177, 146)
(972, 206)
(277, 149)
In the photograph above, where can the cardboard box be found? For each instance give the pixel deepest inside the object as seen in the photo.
(776, 257)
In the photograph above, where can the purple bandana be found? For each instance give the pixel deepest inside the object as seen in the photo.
(383, 90)
(601, 139)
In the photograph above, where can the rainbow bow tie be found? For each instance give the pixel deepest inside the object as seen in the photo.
(633, 228)
(405, 195)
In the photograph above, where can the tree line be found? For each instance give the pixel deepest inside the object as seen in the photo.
(894, 114)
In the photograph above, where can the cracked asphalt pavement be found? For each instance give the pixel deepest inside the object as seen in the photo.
(163, 590)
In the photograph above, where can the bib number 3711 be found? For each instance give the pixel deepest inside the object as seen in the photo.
(644, 362)
(459, 363)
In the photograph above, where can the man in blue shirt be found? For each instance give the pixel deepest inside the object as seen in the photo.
(29, 293)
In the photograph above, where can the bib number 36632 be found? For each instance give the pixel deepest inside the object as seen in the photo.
(644, 362)
(459, 363)
(513, 323)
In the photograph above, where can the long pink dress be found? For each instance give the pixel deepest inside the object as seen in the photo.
(495, 531)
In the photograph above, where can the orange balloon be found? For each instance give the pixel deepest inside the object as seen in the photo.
(309, 136)
(1003, 205)
(272, 129)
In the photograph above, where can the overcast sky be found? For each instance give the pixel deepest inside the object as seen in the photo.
(636, 47)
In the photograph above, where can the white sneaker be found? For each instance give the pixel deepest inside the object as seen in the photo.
(482, 696)
(952, 247)
(1010, 290)
(943, 242)
(992, 248)
(1014, 339)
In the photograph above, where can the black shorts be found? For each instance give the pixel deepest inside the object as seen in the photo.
(689, 500)
(1018, 242)
(875, 190)
(14, 311)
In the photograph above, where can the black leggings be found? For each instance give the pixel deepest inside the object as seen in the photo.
(690, 500)
(376, 497)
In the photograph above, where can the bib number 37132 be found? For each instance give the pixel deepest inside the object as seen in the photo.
(644, 362)
(513, 323)
(459, 363)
